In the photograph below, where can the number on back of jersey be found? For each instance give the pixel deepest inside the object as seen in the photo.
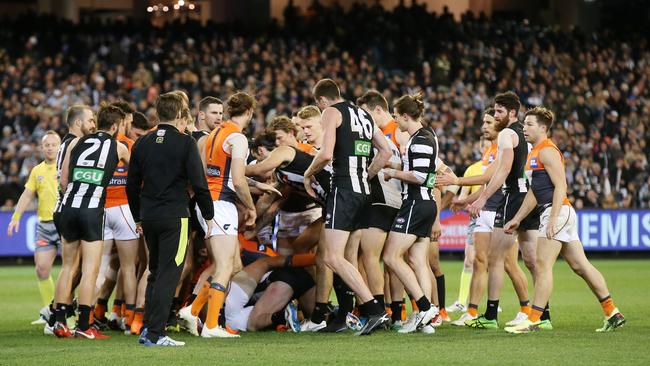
(360, 123)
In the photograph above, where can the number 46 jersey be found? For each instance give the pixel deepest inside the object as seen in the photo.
(92, 164)
(353, 148)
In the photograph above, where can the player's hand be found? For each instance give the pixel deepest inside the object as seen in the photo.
(477, 206)
(389, 174)
(267, 188)
(445, 178)
(511, 226)
(211, 225)
(14, 227)
(436, 231)
(550, 228)
(138, 229)
(457, 205)
(308, 188)
(251, 216)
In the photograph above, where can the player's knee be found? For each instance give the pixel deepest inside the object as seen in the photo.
(389, 259)
(530, 263)
(332, 261)
(415, 261)
(42, 271)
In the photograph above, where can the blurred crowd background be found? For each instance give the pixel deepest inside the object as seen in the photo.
(596, 83)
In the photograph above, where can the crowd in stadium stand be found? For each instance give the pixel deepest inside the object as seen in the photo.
(597, 85)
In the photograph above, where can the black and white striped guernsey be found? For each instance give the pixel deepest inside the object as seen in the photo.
(92, 164)
(293, 174)
(420, 159)
(353, 149)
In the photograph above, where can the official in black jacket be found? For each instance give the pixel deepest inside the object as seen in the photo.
(164, 163)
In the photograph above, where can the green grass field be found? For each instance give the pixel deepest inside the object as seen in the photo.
(575, 315)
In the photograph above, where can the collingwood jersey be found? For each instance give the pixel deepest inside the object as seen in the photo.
(92, 164)
(293, 174)
(420, 158)
(387, 193)
(516, 180)
(60, 155)
(353, 148)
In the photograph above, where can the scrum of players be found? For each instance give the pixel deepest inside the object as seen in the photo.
(315, 203)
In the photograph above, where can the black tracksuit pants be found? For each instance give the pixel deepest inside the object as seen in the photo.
(167, 243)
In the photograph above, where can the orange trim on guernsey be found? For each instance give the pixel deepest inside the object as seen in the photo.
(489, 156)
(116, 190)
(218, 162)
(252, 246)
(534, 154)
(389, 130)
(306, 148)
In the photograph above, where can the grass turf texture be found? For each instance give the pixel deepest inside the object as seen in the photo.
(575, 313)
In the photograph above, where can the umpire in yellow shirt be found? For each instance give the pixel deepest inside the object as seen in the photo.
(42, 182)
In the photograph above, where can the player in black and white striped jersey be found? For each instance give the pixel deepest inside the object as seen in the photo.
(412, 226)
(86, 171)
(349, 134)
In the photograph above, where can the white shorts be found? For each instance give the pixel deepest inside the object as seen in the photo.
(236, 311)
(291, 224)
(566, 225)
(225, 218)
(485, 222)
(119, 224)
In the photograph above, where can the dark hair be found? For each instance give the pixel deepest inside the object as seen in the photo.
(266, 140)
(411, 105)
(140, 121)
(109, 115)
(238, 103)
(75, 112)
(489, 111)
(326, 88)
(205, 102)
(509, 100)
(282, 123)
(124, 106)
(372, 98)
(543, 115)
(168, 106)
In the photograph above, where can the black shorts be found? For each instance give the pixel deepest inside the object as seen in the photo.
(344, 209)
(379, 216)
(509, 208)
(85, 224)
(299, 279)
(416, 217)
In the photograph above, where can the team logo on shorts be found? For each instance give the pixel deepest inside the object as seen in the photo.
(362, 148)
(400, 220)
(88, 175)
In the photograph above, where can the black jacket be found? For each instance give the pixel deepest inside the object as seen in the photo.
(164, 163)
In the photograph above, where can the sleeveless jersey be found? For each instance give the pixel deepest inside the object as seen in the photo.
(540, 181)
(389, 130)
(92, 164)
(198, 134)
(116, 190)
(218, 162)
(384, 192)
(497, 198)
(516, 180)
(60, 155)
(353, 148)
(307, 148)
(293, 174)
(420, 159)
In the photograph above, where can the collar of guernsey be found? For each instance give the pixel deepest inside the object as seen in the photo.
(306, 148)
(218, 162)
(43, 181)
(116, 190)
(389, 130)
(534, 165)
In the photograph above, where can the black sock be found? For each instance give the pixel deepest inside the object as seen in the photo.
(492, 309)
(191, 298)
(84, 317)
(440, 282)
(370, 308)
(396, 309)
(546, 315)
(222, 316)
(320, 309)
(60, 312)
(102, 302)
(423, 303)
(69, 310)
(345, 297)
(278, 318)
(380, 300)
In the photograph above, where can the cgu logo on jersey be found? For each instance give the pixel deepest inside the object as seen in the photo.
(88, 175)
(362, 148)
(213, 171)
(431, 180)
